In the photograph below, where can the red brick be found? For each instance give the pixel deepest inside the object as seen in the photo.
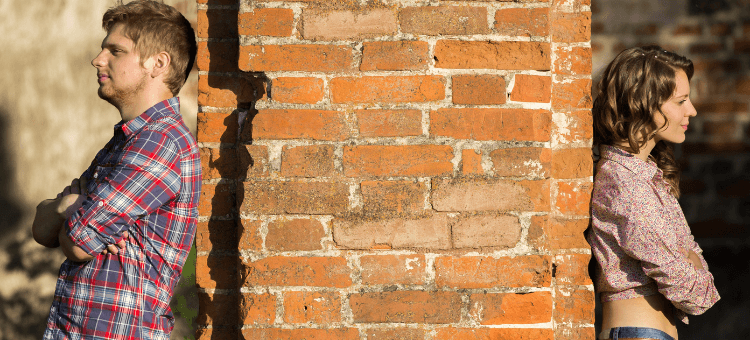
(394, 55)
(429, 232)
(299, 124)
(216, 200)
(276, 22)
(570, 94)
(572, 163)
(569, 5)
(216, 235)
(393, 269)
(301, 333)
(387, 89)
(389, 123)
(316, 307)
(688, 30)
(217, 127)
(312, 58)
(297, 90)
(217, 310)
(742, 87)
(223, 91)
(522, 21)
(216, 272)
(557, 233)
(726, 130)
(308, 161)
(573, 126)
(249, 235)
(253, 161)
(258, 309)
(496, 124)
(501, 55)
(402, 333)
(218, 2)
(722, 106)
(572, 60)
(478, 231)
(218, 163)
(297, 234)
(531, 88)
(707, 48)
(571, 332)
(572, 269)
(487, 272)
(326, 24)
(393, 197)
(406, 307)
(297, 271)
(478, 89)
(217, 56)
(570, 27)
(509, 308)
(514, 162)
(451, 333)
(471, 162)
(642, 30)
(216, 23)
(573, 198)
(721, 29)
(479, 195)
(292, 197)
(574, 306)
(397, 160)
(444, 20)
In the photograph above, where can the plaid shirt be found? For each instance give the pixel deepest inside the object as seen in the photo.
(146, 181)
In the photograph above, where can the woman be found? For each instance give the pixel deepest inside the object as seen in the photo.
(650, 270)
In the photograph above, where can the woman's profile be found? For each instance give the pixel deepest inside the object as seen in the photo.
(651, 272)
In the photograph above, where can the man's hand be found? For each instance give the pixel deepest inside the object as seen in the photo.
(112, 248)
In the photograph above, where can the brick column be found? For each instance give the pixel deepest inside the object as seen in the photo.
(394, 170)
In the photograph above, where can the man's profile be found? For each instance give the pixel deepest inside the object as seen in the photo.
(127, 223)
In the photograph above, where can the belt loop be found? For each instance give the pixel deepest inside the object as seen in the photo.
(614, 333)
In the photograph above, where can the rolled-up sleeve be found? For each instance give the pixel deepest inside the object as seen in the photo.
(146, 176)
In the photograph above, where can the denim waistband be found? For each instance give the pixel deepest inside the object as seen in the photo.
(638, 332)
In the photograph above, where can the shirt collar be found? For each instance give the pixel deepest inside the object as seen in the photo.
(161, 109)
(645, 169)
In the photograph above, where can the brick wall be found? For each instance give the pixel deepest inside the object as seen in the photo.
(394, 170)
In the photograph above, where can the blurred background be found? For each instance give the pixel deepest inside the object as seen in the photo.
(52, 123)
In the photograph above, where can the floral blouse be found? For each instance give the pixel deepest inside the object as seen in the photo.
(638, 232)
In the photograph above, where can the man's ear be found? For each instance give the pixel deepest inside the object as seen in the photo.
(161, 64)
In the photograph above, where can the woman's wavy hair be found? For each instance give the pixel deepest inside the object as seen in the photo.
(631, 91)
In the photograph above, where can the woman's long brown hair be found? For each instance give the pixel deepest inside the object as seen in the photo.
(631, 91)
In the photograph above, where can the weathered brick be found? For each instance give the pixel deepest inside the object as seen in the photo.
(722, 106)
(292, 197)
(688, 30)
(406, 307)
(478, 89)
(501, 55)
(217, 127)
(217, 310)
(343, 25)
(298, 124)
(394, 55)
(249, 235)
(225, 91)
(574, 305)
(706, 48)
(573, 332)
(573, 126)
(297, 271)
(297, 90)
(522, 21)
(488, 272)
(218, 163)
(557, 233)
(478, 195)
(300, 333)
(216, 271)
(512, 162)
(216, 200)
(216, 23)
(531, 88)
(393, 269)
(509, 308)
(573, 197)
(572, 269)
(451, 333)
(444, 20)
(308, 161)
(317, 307)
(276, 22)
(478, 231)
(393, 197)
(253, 161)
(389, 123)
(312, 58)
(401, 333)
(297, 234)
(570, 27)
(570, 94)
(572, 163)
(497, 124)
(216, 235)
(217, 56)
(471, 162)
(572, 60)
(387, 89)
(258, 309)
(397, 160)
(430, 232)
(722, 29)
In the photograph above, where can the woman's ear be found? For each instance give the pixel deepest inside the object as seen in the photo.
(162, 61)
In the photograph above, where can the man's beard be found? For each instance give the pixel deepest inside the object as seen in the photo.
(119, 97)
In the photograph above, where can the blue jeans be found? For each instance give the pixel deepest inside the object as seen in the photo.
(638, 332)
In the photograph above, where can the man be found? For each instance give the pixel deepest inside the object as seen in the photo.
(127, 224)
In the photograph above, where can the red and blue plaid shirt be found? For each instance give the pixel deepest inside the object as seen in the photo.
(145, 181)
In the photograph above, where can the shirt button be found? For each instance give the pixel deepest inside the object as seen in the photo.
(100, 203)
(96, 175)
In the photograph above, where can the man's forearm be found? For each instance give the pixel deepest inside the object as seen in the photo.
(47, 223)
(71, 250)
